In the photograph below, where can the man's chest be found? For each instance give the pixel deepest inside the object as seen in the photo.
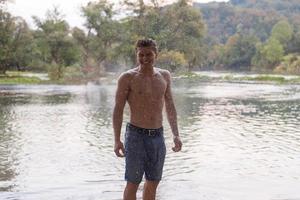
(153, 87)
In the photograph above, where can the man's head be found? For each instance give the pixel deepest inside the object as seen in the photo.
(146, 51)
(146, 43)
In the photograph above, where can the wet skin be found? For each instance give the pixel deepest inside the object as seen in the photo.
(146, 89)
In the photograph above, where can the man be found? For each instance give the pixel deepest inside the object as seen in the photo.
(146, 89)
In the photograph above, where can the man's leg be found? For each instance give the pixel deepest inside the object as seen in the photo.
(130, 191)
(149, 192)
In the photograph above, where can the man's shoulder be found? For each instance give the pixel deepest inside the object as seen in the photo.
(165, 73)
(128, 75)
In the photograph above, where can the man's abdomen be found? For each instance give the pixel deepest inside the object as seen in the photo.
(146, 118)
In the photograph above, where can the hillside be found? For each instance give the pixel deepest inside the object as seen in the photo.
(247, 16)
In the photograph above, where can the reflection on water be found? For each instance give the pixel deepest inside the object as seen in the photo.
(241, 141)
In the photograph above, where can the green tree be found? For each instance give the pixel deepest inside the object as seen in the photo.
(22, 47)
(239, 51)
(184, 31)
(83, 42)
(283, 32)
(16, 41)
(294, 44)
(57, 46)
(268, 55)
(171, 60)
(177, 27)
(125, 51)
(7, 27)
(290, 64)
(215, 58)
(103, 31)
(144, 21)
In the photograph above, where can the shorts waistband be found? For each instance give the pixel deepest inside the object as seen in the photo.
(146, 131)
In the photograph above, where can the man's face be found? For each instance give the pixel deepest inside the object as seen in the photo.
(146, 56)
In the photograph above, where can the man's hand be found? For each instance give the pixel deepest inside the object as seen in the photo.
(177, 143)
(119, 149)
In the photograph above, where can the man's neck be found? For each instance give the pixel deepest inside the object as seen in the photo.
(146, 70)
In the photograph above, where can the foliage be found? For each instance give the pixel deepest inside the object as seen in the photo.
(73, 74)
(195, 77)
(7, 26)
(294, 44)
(237, 35)
(83, 43)
(266, 78)
(224, 20)
(23, 48)
(290, 64)
(16, 42)
(56, 46)
(216, 56)
(285, 7)
(186, 31)
(239, 51)
(268, 55)
(271, 53)
(171, 60)
(177, 27)
(283, 32)
(9, 80)
(236, 54)
(103, 32)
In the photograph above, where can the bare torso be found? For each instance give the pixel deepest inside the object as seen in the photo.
(146, 98)
(146, 89)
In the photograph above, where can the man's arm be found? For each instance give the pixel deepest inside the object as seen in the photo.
(120, 101)
(172, 114)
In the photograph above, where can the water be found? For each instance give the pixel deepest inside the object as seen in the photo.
(241, 141)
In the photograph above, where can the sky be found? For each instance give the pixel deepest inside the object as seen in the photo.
(70, 8)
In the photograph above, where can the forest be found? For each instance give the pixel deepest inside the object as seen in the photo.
(240, 35)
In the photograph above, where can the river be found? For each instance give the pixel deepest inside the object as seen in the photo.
(241, 141)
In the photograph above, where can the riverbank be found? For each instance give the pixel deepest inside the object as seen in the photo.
(238, 77)
(15, 78)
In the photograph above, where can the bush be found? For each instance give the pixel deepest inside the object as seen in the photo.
(171, 60)
(74, 74)
(55, 72)
(290, 65)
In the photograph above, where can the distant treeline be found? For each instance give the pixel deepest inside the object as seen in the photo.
(260, 35)
(238, 35)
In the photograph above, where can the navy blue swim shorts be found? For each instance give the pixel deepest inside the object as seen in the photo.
(145, 152)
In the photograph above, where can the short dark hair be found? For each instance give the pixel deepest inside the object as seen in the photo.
(146, 43)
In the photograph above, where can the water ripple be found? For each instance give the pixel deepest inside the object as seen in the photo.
(237, 139)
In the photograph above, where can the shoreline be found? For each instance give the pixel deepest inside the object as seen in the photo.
(29, 78)
(234, 77)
